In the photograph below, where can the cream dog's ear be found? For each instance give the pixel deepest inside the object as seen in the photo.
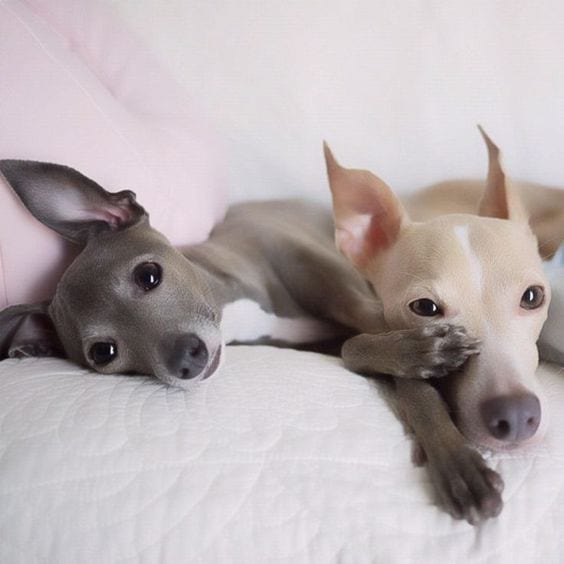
(499, 199)
(368, 216)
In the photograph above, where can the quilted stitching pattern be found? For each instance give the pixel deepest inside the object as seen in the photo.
(282, 457)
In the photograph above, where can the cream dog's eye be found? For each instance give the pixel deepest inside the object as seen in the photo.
(425, 308)
(533, 297)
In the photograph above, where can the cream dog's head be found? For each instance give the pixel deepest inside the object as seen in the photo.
(481, 271)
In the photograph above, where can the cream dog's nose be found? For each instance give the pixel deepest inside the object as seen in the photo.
(512, 418)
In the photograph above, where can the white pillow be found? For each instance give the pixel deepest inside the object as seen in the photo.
(77, 89)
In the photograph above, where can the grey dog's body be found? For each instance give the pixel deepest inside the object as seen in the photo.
(280, 255)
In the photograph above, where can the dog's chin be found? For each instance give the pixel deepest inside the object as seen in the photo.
(186, 384)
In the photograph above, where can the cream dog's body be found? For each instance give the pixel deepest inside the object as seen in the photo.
(482, 272)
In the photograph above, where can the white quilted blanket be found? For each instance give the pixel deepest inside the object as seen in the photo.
(281, 457)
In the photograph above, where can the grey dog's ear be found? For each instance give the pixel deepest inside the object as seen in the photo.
(27, 330)
(68, 202)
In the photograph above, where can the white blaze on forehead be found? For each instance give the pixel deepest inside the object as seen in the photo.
(462, 233)
(244, 321)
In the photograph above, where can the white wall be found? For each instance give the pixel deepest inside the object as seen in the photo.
(395, 86)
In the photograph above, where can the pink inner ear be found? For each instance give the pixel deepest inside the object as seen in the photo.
(349, 245)
(380, 234)
(364, 236)
(502, 204)
(115, 216)
(495, 203)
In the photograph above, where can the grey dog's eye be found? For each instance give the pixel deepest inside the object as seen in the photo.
(103, 353)
(148, 275)
(425, 308)
(533, 297)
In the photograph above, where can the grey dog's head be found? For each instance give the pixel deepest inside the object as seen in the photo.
(129, 303)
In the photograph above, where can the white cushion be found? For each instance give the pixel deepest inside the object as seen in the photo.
(77, 89)
(283, 456)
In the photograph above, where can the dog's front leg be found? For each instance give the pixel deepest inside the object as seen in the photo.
(424, 352)
(463, 483)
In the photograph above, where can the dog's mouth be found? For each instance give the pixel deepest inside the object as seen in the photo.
(492, 445)
(504, 416)
(213, 365)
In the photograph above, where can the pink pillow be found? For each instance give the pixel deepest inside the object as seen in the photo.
(77, 89)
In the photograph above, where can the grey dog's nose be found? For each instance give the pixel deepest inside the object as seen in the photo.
(512, 418)
(186, 355)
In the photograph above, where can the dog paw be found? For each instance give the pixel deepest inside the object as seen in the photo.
(465, 487)
(35, 349)
(436, 350)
